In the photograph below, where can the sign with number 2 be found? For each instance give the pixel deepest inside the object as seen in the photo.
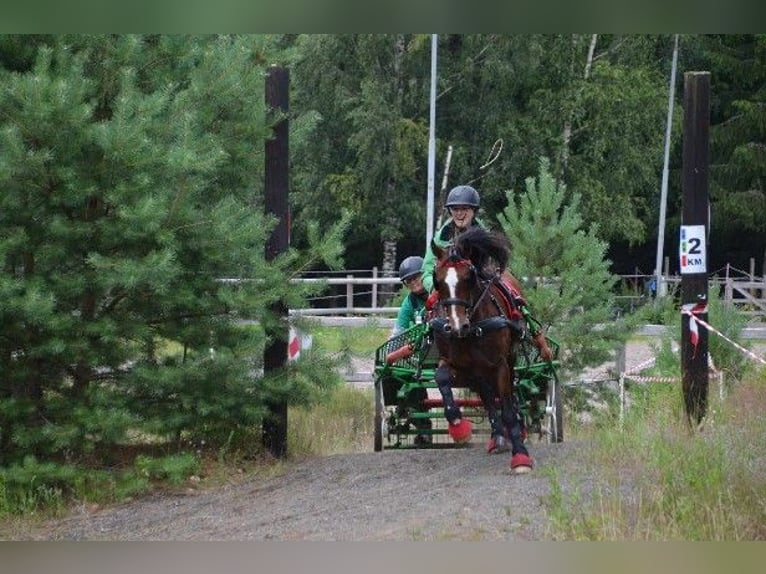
(692, 249)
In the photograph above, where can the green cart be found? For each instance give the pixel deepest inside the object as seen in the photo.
(409, 412)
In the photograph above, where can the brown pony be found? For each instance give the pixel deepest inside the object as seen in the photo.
(477, 330)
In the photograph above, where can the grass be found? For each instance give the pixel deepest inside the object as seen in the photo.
(659, 480)
(342, 422)
(359, 341)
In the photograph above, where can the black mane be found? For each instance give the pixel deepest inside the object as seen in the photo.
(487, 250)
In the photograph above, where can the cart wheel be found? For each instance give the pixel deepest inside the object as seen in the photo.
(554, 411)
(379, 420)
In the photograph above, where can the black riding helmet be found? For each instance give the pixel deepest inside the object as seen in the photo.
(463, 195)
(410, 267)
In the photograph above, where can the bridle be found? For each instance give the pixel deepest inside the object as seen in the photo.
(456, 261)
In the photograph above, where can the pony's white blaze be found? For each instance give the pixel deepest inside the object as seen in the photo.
(451, 280)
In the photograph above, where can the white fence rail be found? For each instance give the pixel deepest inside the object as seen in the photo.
(750, 332)
(352, 295)
(747, 293)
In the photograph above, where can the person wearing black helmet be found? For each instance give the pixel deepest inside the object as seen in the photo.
(412, 308)
(411, 312)
(462, 204)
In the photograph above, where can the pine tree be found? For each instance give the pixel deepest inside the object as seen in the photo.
(563, 267)
(131, 178)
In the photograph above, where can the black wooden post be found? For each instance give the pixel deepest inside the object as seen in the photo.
(275, 200)
(693, 244)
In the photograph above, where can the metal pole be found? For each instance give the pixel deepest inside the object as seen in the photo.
(431, 147)
(442, 190)
(660, 286)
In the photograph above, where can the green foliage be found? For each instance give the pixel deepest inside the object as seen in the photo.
(367, 95)
(126, 485)
(130, 189)
(564, 270)
(659, 311)
(738, 130)
(28, 487)
(204, 398)
(33, 486)
(49, 488)
(726, 357)
(174, 469)
(600, 117)
(615, 152)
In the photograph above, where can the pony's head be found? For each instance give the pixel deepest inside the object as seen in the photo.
(454, 279)
(474, 255)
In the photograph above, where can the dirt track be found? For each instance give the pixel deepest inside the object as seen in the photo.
(446, 494)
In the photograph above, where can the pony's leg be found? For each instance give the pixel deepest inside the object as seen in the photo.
(444, 383)
(498, 441)
(520, 459)
(459, 429)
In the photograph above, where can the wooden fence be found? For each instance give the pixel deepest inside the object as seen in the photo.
(353, 295)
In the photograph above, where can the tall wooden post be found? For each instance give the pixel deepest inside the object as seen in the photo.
(275, 200)
(693, 244)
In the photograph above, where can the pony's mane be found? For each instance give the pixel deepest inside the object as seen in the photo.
(484, 248)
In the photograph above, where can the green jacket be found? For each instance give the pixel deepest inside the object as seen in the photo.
(442, 238)
(413, 306)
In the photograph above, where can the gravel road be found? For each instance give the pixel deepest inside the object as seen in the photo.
(408, 495)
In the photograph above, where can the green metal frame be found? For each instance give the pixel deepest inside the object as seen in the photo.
(401, 385)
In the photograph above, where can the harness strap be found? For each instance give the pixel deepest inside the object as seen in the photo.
(439, 325)
(490, 324)
(454, 301)
(511, 298)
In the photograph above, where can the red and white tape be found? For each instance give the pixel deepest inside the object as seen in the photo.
(640, 367)
(693, 320)
(691, 309)
(648, 379)
(642, 379)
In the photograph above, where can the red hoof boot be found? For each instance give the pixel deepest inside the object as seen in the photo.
(521, 463)
(497, 444)
(460, 431)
